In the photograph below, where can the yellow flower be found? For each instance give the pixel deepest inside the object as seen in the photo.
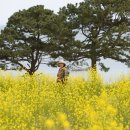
(111, 110)
(102, 103)
(113, 124)
(81, 129)
(66, 125)
(96, 127)
(49, 123)
(62, 116)
(27, 101)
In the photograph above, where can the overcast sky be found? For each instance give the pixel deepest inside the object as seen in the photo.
(8, 7)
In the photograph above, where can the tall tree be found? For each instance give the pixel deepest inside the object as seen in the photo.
(24, 41)
(104, 28)
(62, 42)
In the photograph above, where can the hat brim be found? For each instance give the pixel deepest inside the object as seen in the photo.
(61, 63)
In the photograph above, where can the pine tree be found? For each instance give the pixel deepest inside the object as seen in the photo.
(104, 28)
(24, 41)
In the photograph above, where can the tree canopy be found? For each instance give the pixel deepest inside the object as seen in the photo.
(104, 28)
(24, 41)
(92, 29)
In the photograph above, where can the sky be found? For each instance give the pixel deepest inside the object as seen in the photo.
(8, 7)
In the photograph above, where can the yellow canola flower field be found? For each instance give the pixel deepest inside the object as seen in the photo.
(39, 103)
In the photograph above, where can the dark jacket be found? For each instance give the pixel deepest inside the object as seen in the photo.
(61, 75)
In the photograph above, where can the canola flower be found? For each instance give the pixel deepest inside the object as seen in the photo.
(49, 123)
(39, 103)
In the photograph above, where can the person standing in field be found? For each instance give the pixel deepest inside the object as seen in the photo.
(63, 72)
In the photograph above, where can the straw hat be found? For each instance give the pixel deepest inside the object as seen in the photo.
(62, 62)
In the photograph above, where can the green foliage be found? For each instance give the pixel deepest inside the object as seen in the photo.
(63, 41)
(24, 41)
(104, 28)
(92, 29)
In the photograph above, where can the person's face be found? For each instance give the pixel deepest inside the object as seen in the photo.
(61, 65)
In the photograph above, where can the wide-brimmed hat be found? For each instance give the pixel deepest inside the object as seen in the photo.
(62, 62)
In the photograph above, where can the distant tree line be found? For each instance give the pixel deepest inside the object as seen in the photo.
(31, 36)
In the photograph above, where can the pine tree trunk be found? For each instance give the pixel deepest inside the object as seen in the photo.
(93, 62)
(93, 58)
(31, 72)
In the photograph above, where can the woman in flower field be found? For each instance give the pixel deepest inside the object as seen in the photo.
(63, 72)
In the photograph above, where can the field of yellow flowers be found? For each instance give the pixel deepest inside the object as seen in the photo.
(39, 103)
